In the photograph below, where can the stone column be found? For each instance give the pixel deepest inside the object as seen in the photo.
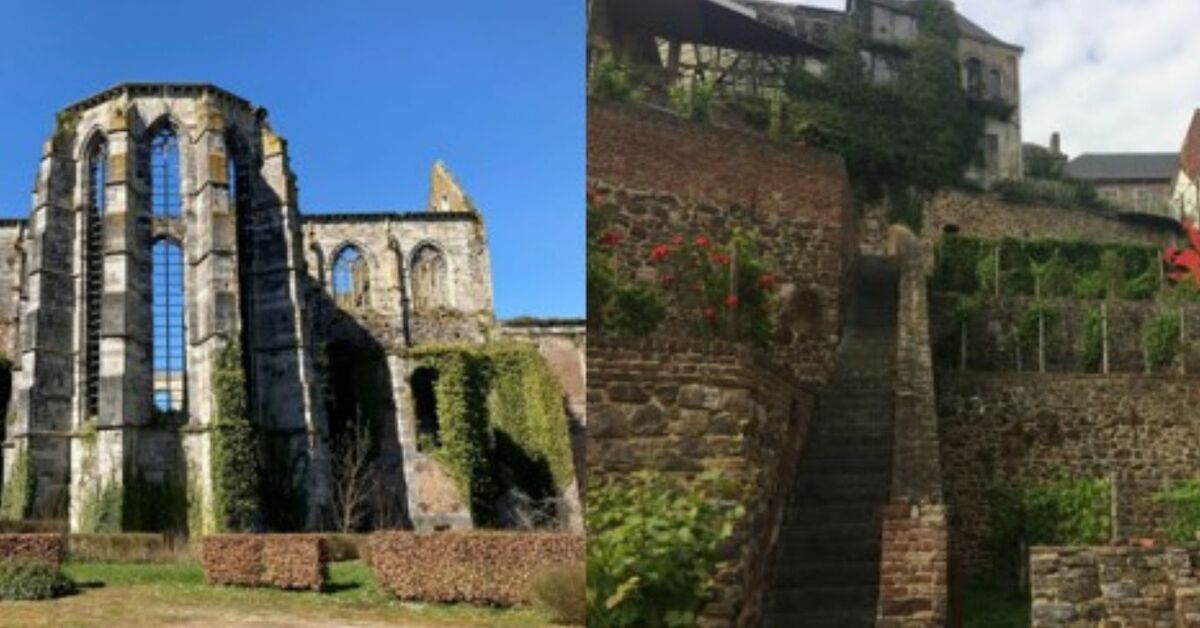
(38, 440)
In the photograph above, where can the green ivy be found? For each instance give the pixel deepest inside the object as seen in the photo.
(234, 446)
(1027, 329)
(1062, 511)
(16, 501)
(102, 509)
(1160, 337)
(653, 547)
(609, 80)
(502, 422)
(1182, 500)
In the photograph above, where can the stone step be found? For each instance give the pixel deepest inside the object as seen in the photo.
(813, 452)
(806, 513)
(861, 573)
(821, 619)
(785, 600)
(850, 440)
(827, 551)
(834, 531)
(819, 492)
(836, 466)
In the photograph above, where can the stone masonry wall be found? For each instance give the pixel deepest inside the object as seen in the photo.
(660, 175)
(986, 216)
(683, 407)
(913, 561)
(1138, 430)
(1115, 586)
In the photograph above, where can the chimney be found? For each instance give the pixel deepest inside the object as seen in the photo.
(1055, 143)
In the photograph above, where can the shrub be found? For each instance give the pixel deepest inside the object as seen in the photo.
(610, 81)
(1061, 511)
(653, 547)
(32, 580)
(234, 447)
(283, 561)
(1160, 337)
(616, 300)
(561, 590)
(489, 567)
(47, 548)
(1056, 193)
(1183, 510)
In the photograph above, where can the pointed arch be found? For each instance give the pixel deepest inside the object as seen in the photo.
(430, 278)
(351, 276)
(95, 202)
(166, 197)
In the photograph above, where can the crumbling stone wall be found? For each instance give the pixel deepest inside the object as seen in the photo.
(1115, 586)
(683, 407)
(998, 427)
(659, 177)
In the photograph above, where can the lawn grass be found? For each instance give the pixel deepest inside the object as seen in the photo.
(143, 595)
(992, 605)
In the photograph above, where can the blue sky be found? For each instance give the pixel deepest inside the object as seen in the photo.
(368, 94)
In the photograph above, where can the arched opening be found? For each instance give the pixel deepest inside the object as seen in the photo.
(169, 333)
(429, 290)
(424, 396)
(97, 181)
(995, 84)
(164, 173)
(351, 277)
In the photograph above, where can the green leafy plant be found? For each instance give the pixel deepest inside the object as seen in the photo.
(234, 446)
(1093, 340)
(653, 547)
(1182, 500)
(1068, 194)
(1061, 511)
(1160, 337)
(1036, 318)
(616, 301)
(32, 580)
(609, 81)
(19, 488)
(694, 98)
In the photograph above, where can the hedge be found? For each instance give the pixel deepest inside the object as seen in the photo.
(46, 548)
(489, 567)
(284, 561)
(136, 547)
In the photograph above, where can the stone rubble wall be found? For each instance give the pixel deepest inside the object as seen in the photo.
(913, 562)
(1115, 586)
(1140, 431)
(684, 407)
(660, 175)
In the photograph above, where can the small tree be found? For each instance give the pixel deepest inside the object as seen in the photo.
(355, 478)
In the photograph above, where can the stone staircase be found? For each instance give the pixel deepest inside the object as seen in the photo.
(827, 558)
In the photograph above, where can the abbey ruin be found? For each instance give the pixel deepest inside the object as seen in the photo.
(166, 271)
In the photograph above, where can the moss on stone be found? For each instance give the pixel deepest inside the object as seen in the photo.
(234, 450)
(101, 510)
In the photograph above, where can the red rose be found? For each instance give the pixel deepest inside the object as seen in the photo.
(659, 253)
(677, 240)
(710, 313)
(767, 281)
(731, 301)
(612, 238)
(702, 242)
(721, 258)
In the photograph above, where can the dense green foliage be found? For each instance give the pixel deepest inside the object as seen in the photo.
(1069, 194)
(1059, 268)
(996, 605)
(653, 547)
(32, 580)
(1060, 511)
(1183, 510)
(502, 423)
(1160, 337)
(694, 99)
(917, 131)
(19, 488)
(1035, 329)
(234, 447)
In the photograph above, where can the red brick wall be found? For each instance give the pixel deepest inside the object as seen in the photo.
(913, 575)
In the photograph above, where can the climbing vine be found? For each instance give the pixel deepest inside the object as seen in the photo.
(234, 447)
(1182, 500)
(19, 489)
(1093, 340)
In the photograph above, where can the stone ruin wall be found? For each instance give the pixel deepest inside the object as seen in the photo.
(1115, 586)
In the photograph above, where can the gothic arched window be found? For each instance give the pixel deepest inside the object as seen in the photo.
(97, 181)
(169, 340)
(974, 69)
(429, 289)
(351, 278)
(164, 173)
